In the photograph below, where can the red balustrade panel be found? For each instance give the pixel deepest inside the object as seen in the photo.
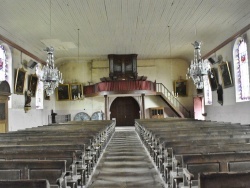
(126, 85)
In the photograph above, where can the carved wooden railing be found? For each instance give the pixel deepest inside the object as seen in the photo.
(121, 86)
(172, 100)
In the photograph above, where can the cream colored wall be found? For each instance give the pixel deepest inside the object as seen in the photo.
(162, 70)
(18, 119)
(82, 72)
(166, 71)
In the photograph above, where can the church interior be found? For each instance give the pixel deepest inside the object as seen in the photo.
(124, 93)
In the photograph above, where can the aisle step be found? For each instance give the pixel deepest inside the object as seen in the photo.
(125, 164)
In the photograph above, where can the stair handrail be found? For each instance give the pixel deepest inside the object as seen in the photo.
(173, 99)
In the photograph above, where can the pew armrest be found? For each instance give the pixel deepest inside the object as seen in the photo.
(189, 176)
(61, 181)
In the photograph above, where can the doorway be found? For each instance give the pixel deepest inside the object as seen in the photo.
(125, 110)
(198, 108)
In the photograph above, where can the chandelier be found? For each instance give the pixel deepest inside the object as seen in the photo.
(80, 95)
(49, 74)
(198, 67)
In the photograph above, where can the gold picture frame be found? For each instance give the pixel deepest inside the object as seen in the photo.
(76, 91)
(63, 92)
(33, 80)
(225, 74)
(213, 79)
(180, 87)
(20, 80)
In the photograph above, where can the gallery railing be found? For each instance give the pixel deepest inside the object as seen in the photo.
(172, 100)
(121, 86)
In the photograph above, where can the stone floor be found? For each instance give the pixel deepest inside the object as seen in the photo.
(125, 163)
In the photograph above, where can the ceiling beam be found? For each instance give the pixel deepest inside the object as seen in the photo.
(16, 46)
(230, 39)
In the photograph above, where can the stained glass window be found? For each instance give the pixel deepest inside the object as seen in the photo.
(241, 71)
(6, 67)
(3, 64)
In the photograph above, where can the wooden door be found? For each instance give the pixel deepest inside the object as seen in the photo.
(125, 110)
(198, 108)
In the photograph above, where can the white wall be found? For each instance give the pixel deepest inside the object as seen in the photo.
(18, 119)
(230, 111)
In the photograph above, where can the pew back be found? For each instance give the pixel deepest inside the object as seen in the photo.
(22, 169)
(224, 180)
(24, 183)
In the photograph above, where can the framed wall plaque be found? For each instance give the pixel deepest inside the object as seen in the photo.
(180, 87)
(76, 91)
(225, 74)
(63, 92)
(213, 79)
(33, 79)
(20, 80)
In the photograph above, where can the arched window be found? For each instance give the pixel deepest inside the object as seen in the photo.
(6, 66)
(3, 64)
(241, 72)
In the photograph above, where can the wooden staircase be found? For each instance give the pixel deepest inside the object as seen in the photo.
(172, 101)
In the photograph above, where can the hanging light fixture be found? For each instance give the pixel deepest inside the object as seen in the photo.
(170, 55)
(198, 68)
(80, 95)
(49, 74)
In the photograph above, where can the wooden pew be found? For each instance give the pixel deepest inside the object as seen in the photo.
(70, 156)
(53, 171)
(53, 142)
(37, 183)
(74, 159)
(206, 149)
(227, 180)
(165, 133)
(195, 139)
(224, 162)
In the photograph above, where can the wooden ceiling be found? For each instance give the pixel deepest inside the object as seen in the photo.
(121, 26)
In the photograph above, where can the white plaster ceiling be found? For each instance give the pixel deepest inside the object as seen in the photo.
(121, 26)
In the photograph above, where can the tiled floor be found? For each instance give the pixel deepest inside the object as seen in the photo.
(125, 164)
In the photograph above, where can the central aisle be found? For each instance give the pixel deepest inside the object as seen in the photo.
(125, 164)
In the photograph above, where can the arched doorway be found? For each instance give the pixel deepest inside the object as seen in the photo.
(125, 110)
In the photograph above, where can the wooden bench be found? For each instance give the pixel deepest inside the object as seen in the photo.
(177, 151)
(37, 183)
(53, 171)
(227, 180)
(74, 159)
(194, 140)
(58, 142)
(70, 156)
(225, 162)
(194, 164)
(178, 133)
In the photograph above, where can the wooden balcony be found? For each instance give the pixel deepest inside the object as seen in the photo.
(120, 87)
